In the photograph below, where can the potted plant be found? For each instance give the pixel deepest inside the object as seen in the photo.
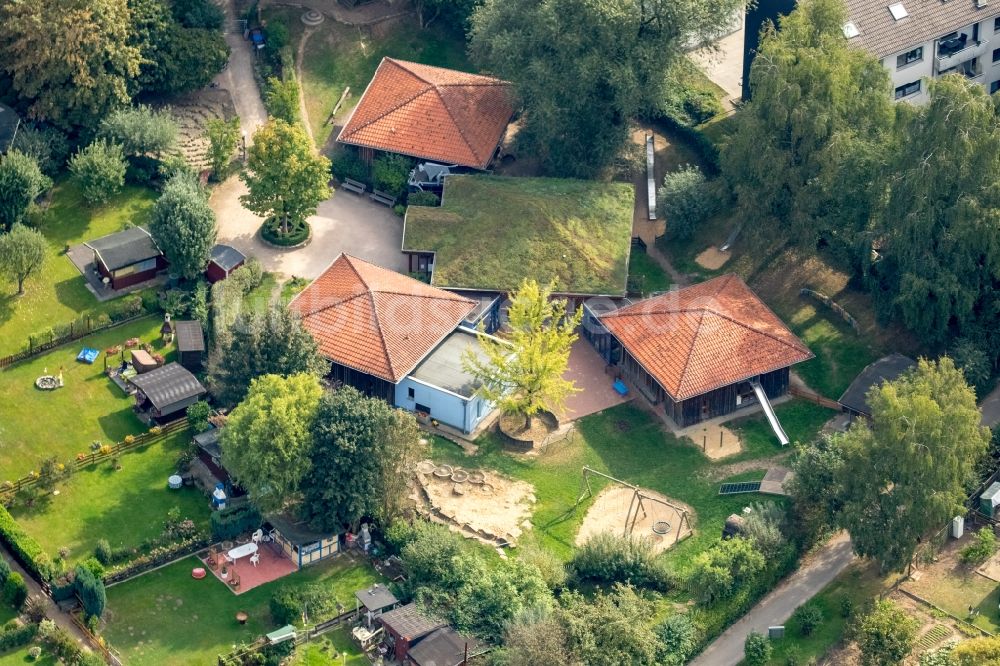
(224, 574)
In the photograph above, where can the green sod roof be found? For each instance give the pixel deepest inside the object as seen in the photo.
(492, 232)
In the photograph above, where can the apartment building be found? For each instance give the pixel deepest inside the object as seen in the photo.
(923, 39)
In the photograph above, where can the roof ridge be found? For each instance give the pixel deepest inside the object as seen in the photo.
(458, 126)
(401, 104)
(750, 328)
(327, 306)
(374, 310)
(690, 353)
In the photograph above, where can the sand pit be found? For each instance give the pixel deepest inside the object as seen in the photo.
(494, 507)
(660, 524)
(713, 258)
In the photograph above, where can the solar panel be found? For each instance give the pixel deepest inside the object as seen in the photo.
(736, 488)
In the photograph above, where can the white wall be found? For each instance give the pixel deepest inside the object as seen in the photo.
(465, 414)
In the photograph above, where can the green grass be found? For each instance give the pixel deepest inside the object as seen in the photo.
(336, 647)
(628, 443)
(58, 294)
(492, 232)
(954, 588)
(800, 419)
(339, 56)
(19, 657)
(166, 617)
(840, 352)
(647, 275)
(37, 424)
(124, 506)
(859, 583)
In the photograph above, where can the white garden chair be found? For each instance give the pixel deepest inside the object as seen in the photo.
(258, 536)
(254, 559)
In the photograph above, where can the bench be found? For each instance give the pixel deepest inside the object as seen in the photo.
(382, 198)
(352, 185)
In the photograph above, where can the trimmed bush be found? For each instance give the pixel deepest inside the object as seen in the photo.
(15, 590)
(808, 617)
(347, 164)
(686, 200)
(298, 232)
(233, 521)
(25, 549)
(982, 548)
(17, 636)
(91, 591)
(103, 552)
(422, 198)
(606, 558)
(198, 416)
(757, 649)
(390, 173)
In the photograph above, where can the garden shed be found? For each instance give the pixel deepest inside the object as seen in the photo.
(886, 369)
(165, 393)
(444, 647)
(127, 257)
(375, 600)
(224, 260)
(405, 626)
(300, 544)
(190, 344)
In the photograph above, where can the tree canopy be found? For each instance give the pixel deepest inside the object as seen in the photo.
(287, 179)
(266, 441)
(907, 474)
(183, 226)
(885, 634)
(584, 68)
(22, 252)
(524, 374)
(70, 60)
(363, 453)
(21, 181)
(141, 130)
(99, 169)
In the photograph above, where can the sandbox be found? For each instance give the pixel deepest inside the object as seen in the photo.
(712, 258)
(482, 503)
(641, 513)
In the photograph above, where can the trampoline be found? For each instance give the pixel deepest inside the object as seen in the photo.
(88, 355)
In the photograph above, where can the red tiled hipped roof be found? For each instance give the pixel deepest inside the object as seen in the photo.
(705, 336)
(431, 113)
(375, 320)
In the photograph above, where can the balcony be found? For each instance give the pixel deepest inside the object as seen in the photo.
(953, 52)
(970, 69)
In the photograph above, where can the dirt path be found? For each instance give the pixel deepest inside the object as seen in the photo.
(778, 606)
(732, 469)
(299, 53)
(51, 609)
(238, 79)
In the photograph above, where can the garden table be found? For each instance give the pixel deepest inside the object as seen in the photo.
(242, 551)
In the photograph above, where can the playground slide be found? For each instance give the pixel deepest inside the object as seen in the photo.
(769, 412)
(650, 178)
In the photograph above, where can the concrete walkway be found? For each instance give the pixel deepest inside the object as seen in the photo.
(778, 606)
(238, 79)
(51, 609)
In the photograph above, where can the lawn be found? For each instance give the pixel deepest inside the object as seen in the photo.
(37, 424)
(840, 352)
(492, 232)
(859, 583)
(645, 275)
(336, 647)
(630, 444)
(125, 507)
(167, 617)
(19, 657)
(800, 419)
(58, 294)
(339, 56)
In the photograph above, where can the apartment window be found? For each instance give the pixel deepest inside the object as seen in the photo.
(996, 55)
(905, 59)
(995, 86)
(907, 89)
(410, 393)
(996, 24)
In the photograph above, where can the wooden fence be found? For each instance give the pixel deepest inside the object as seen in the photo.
(109, 654)
(86, 460)
(301, 636)
(75, 333)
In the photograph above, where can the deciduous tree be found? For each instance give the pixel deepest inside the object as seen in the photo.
(524, 375)
(22, 253)
(141, 130)
(266, 442)
(363, 454)
(907, 474)
(286, 177)
(70, 60)
(99, 170)
(183, 226)
(584, 68)
(804, 156)
(222, 138)
(21, 181)
(885, 634)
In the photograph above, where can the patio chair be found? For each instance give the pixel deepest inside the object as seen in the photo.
(258, 536)
(254, 559)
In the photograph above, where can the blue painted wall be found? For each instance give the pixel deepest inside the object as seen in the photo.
(448, 408)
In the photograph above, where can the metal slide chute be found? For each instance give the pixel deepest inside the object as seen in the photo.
(769, 412)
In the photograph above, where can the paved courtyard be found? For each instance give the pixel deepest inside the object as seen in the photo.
(344, 223)
(586, 368)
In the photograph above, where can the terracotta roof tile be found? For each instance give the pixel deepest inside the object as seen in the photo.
(705, 336)
(431, 113)
(375, 320)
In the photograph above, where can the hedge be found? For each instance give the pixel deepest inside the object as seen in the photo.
(230, 523)
(155, 558)
(25, 549)
(696, 140)
(17, 636)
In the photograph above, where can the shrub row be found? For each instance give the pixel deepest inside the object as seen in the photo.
(696, 140)
(230, 523)
(155, 558)
(120, 310)
(607, 558)
(16, 636)
(289, 603)
(25, 549)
